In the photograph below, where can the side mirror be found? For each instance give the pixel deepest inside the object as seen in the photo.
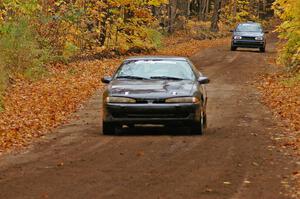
(203, 80)
(266, 31)
(106, 80)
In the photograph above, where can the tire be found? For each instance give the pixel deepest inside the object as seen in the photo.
(108, 128)
(198, 128)
(233, 48)
(204, 123)
(262, 49)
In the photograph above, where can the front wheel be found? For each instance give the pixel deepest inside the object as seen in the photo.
(108, 128)
(262, 49)
(204, 122)
(198, 128)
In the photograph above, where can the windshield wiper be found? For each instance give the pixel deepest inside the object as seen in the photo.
(166, 78)
(131, 77)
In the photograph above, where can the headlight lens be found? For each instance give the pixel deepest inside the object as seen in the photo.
(237, 37)
(120, 100)
(183, 100)
(259, 38)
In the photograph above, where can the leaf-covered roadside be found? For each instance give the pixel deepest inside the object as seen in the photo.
(34, 108)
(189, 47)
(282, 94)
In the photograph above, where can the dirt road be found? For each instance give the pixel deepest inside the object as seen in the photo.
(233, 160)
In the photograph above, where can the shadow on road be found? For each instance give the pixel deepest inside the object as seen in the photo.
(154, 131)
(248, 50)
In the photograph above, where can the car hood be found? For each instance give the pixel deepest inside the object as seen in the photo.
(249, 34)
(151, 88)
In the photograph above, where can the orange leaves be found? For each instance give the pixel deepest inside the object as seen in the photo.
(190, 47)
(284, 99)
(32, 108)
(282, 94)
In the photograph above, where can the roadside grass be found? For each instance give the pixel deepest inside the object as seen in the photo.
(291, 81)
(21, 54)
(36, 73)
(3, 80)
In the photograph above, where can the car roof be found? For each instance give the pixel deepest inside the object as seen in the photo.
(173, 58)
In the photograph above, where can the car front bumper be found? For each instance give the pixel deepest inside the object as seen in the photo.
(248, 43)
(151, 113)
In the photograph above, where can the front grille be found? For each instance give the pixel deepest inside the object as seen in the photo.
(150, 101)
(248, 38)
(150, 115)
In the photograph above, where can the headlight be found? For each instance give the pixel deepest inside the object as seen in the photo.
(182, 100)
(259, 38)
(237, 37)
(120, 100)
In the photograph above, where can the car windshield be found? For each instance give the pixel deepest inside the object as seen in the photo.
(156, 69)
(248, 28)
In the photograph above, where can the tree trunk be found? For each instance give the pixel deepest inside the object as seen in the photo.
(172, 15)
(207, 8)
(199, 9)
(102, 24)
(102, 34)
(216, 15)
(188, 11)
(234, 9)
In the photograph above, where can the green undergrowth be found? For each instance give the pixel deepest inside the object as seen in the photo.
(291, 81)
(22, 53)
(3, 84)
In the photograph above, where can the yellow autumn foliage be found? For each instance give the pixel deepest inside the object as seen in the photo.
(289, 30)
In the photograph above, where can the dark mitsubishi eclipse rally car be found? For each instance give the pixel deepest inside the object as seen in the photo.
(249, 35)
(155, 90)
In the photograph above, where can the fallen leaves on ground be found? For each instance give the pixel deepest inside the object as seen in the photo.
(190, 47)
(32, 109)
(283, 98)
(281, 92)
